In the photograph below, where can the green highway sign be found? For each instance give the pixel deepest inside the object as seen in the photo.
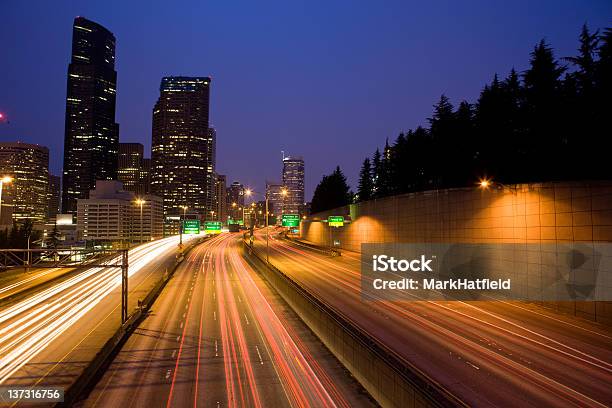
(335, 221)
(191, 227)
(212, 227)
(291, 220)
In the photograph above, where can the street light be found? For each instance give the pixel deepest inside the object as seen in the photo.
(182, 224)
(140, 202)
(248, 192)
(3, 180)
(484, 183)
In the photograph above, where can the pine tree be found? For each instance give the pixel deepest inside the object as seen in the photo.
(54, 237)
(377, 171)
(544, 99)
(331, 192)
(366, 186)
(585, 61)
(441, 131)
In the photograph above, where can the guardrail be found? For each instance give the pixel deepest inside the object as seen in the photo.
(391, 380)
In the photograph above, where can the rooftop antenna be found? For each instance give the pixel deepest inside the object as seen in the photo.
(283, 153)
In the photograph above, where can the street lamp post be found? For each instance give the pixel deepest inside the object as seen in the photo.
(140, 202)
(248, 193)
(182, 226)
(3, 180)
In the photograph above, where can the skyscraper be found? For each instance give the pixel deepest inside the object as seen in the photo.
(132, 169)
(53, 197)
(91, 135)
(183, 147)
(293, 180)
(28, 165)
(235, 200)
(221, 198)
(276, 201)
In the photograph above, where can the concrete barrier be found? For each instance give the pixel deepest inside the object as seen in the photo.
(390, 380)
(543, 213)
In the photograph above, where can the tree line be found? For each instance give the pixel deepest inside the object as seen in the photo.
(551, 122)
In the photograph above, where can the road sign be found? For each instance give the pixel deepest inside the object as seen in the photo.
(291, 220)
(335, 221)
(191, 227)
(212, 227)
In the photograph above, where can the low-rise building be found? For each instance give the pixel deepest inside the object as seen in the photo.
(113, 215)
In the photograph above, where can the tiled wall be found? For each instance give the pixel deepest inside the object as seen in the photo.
(534, 213)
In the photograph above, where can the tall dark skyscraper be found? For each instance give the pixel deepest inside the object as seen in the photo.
(183, 147)
(91, 135)
(293, 180)
(53, 197)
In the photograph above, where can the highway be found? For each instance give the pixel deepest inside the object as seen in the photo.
(17, 281)
(48, 336)
(218, 336)
(486, 353)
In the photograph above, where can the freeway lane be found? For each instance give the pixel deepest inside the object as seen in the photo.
(487, 353)
(218, 336)
(47, 337)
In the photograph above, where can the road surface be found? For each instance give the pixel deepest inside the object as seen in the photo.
(49, 336)
(487, 353)
(218, 336)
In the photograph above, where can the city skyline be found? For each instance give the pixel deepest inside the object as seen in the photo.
(399, 99)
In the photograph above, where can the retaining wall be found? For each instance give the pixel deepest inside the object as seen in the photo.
(545, 213)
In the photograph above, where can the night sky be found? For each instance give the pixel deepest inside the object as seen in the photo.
(328, 80)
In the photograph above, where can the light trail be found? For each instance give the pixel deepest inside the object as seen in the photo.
(453, 329)
(31, 325)
(22, 282)
(304, 384)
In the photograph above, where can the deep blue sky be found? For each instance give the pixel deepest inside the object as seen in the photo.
(328, 80)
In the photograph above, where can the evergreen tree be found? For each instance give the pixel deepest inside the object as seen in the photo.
(54, 237)
(366, 186)
(543, 98)
(331, 192)
(602, 106)
(377, 171)
(384, 175)
(585, 61)
(441, 131)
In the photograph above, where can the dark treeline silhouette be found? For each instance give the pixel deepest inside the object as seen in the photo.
(551, 122)
(16, 237)
(332, 192)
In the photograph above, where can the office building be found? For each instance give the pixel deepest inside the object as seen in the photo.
(133, 168)
(53, 197)
(91, 135)
(235, 200)
(145, 175)
(26, 195)
(183, 148)
(293, 181)
(276, 201)
(221, 198)
(112, 215)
